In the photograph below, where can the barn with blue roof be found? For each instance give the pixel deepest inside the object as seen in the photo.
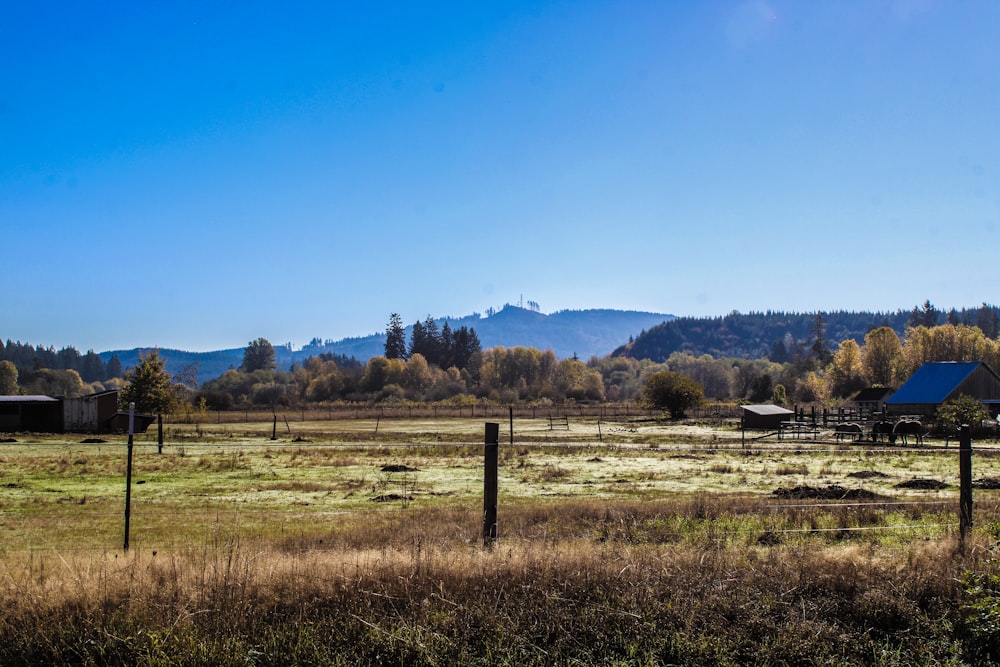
(939, 381)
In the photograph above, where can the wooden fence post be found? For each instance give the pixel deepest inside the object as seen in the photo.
(965, 483)
(491, 464)
(159, 433)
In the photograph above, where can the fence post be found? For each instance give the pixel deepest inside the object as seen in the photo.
(128, 472)
(511, 426)
(491, 463)
(159, 433)
(965, 483)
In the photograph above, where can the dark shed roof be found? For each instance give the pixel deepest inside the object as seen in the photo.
(872, 394)
(934, 382)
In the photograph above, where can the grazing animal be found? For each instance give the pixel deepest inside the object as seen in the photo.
(907, 427)
(852, 431)
(883, 429)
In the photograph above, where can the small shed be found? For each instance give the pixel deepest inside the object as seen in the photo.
(41, 414)
(939, 381)
(764, 417)
(90, 414)
(871, 400)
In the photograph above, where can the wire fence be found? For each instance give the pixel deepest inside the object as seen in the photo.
(63, 514)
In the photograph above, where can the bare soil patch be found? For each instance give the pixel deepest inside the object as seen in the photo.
(830, 492)
(922, 484)
(868, 474)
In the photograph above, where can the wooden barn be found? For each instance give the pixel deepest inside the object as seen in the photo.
(764, 417)
(939, 381)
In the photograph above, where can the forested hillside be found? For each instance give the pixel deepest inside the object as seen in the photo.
(781, 336)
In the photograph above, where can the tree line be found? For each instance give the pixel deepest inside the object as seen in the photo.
(450, 366)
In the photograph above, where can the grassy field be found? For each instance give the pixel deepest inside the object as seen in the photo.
(621, 542)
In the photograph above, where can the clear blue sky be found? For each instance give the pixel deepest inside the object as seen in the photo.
(196, 175)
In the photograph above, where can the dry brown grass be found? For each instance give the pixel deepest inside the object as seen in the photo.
(409, 591)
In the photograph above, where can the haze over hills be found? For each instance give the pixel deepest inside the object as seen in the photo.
(583, 333)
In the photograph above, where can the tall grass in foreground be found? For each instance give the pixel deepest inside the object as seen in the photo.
(570, 583)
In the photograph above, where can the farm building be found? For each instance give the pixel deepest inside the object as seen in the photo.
(90, 414)
(939, 381)
(96, 413)
(31, 413)
(871, 400)
(764, 417)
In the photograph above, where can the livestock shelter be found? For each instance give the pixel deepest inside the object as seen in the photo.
(91, 414)
(937, 382)
(764, 417)
(31, 413)
(96, 413)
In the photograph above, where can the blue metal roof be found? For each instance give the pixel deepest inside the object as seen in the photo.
(934, 382)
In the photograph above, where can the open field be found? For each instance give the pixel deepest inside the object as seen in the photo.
(621, 542)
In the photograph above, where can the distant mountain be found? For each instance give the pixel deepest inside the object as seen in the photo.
(584, 333)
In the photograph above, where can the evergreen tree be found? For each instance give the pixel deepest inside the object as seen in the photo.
(395, 338)
(418, 340)
(464, 347)
(114, 368)
(987, 321)
(432, 337)
(149, 385)
(447, 352)
(259, 356)
(924, 316)
(92, 368)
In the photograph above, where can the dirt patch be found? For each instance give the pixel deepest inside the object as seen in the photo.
(831, 492)
(867, 474)
(399, 468)
(389, 497)
(93, 441)
(986, 483)
(8, 441)
(922, 484)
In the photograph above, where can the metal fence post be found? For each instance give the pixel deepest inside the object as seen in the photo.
(491, 464)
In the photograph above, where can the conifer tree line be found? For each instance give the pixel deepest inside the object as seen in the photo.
(27, 358)
(442, 347)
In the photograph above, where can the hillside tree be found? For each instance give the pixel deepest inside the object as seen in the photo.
(259, 356)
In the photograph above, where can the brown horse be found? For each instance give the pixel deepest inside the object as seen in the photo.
(883, 429)
(909, 427)
(852, 431)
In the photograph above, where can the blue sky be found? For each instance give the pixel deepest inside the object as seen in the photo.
(195, 177)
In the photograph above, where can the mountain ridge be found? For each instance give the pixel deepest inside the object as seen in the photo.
(568, 333)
